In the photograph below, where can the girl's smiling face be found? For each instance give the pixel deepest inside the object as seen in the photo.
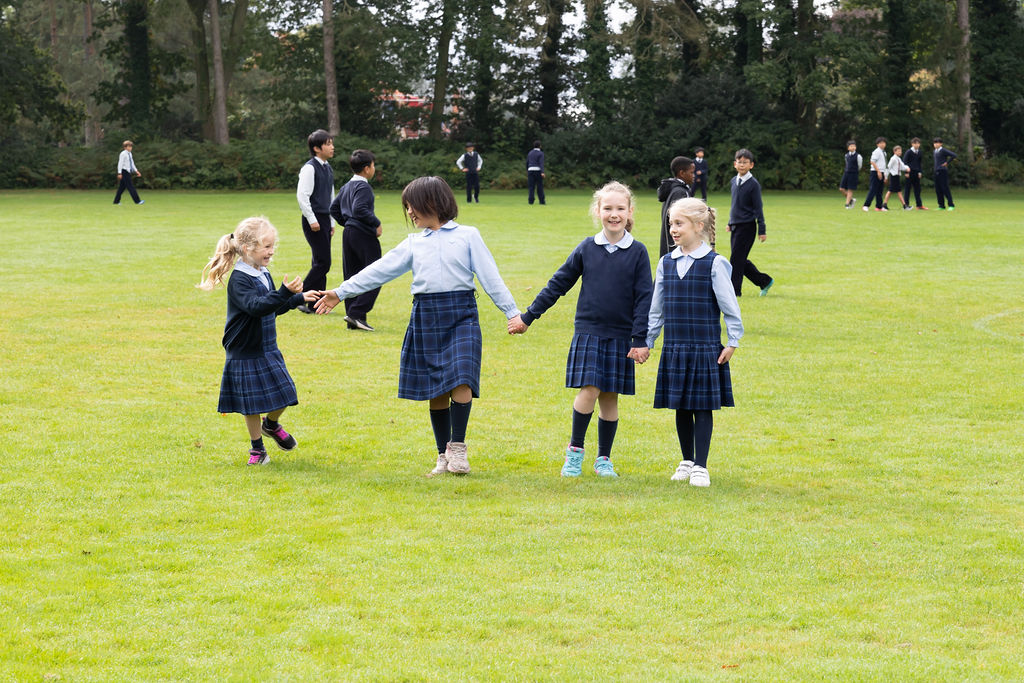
(260, 255)
(685, 233)
(616, 212)
(421, 220)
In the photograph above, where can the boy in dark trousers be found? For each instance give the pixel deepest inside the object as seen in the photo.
(470, 163)
(360, 237)
(877, 177)
(535, 172)
(746, 219)
(912, 158)
(672, 189)
(314, 194)
(700, 174)
(851, 169)
(942, 158)
(125, 169)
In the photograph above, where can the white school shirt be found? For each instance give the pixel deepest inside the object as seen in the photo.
(627, 239)
(307, 178)
(878, 159)
(721, 283)
(443, 260)
(479, 161)
(262, 273)
(125, 160)
(896, 165)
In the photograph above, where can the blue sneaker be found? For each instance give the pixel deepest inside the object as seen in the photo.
(764, 290)
(603, 467)
(573, 466)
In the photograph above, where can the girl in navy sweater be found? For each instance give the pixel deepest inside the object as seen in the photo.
(611, 322)
(255, 379)
(692, 291)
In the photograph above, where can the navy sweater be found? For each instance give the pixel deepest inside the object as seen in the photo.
(913, 160)
(615, 297)
(248, 302)
(353, 207)
(746, 203)
(535, 157)
(942, 156)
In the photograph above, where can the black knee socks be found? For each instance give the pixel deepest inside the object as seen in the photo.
(580, 422)
(441, 421)
(460, 420)
(257, 444)
(694, 428)
(605, 436)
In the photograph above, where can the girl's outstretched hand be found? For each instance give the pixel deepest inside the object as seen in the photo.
(295, 285)
(726, 354)
(328, 300)
(639, 354)
(310, 296)
(516, 325)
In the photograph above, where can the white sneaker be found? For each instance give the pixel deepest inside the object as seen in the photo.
(683, 471)
(458, 462)
(864, 208)
(699, 476)
(441, 467)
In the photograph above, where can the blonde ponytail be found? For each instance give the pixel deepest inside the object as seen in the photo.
(230, 248)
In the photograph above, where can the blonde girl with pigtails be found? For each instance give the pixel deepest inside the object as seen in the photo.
(693, 292)
(255, 380)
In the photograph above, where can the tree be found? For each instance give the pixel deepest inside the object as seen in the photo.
(550, 71)
(330, 75)
(220, 96)
(444, 41)
(963, 71)
(997, 74)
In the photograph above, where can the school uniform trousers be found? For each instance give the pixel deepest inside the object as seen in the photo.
(942, 191)
(359, 249)
(320, 246)
(914, 179)
(741, 241)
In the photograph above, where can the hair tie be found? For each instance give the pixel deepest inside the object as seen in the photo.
(231, 236)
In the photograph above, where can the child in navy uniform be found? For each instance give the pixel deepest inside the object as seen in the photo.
(314, 193)
(125, 168)
(877, 177)
(912, 158)
(470, 164)
(746, 218)
(700, 173)
(442, 348)
(942, 158)
(255, 379)
(692, 292)
(671, 190)
(895, 169)
(360, 236)
(851, 168)
(611, 322)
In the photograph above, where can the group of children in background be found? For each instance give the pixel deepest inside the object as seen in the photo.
(620, 312)
(901, 164)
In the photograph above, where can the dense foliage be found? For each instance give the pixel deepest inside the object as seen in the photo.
(614, 88)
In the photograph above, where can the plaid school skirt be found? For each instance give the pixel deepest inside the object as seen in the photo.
(690, 378)
(599, 362)
(252, 386)
(442, 346)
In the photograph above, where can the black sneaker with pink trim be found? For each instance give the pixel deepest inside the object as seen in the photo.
(258, 456)
(283, 439)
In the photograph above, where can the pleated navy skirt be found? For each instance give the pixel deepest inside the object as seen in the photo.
(690, 378)
(442, 346)
(599, 362)
(252, 386)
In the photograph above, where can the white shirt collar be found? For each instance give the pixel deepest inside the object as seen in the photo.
(322, 161)
(358, 177)
(249, 270)
(627, 239)
(699, 252)
(743, 178)
(450, 225)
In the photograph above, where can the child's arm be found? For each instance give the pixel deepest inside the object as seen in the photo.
(249, 297)
(560, 283)
(302, 193)
(725, 295)
(758, 206)
(396, 262)
(362, 207)
(656, 317)
(643, 290)
(486, 271)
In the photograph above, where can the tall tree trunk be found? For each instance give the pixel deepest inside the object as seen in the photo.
(201, 65)
(330, 76)
(136, 34)
(550, 69)
(220, 98)
(235, 40)
(444, 41)
(52, 7)
(91, 125)
(807, 109)
(963, 67)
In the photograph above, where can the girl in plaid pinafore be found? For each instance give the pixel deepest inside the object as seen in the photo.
(255, 379)
(441, 352)
(692, 292)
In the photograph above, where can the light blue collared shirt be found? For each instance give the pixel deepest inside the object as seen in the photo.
(721, 283)
(627, 239)
(442, 260)
(263, 274)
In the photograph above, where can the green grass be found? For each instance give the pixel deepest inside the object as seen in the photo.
(864, 520)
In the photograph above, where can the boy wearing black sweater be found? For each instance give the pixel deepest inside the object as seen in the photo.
(746, 219)
(360, 239)
(700, 174)
(673, 189)
(942, 158)
(912, 158)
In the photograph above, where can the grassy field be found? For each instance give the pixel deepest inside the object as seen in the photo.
(865, 518)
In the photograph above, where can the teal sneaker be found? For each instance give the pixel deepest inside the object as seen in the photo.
(603, 467)
(764, 290)
(573, 466)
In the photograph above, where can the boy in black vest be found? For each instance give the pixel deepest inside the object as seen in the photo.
(470, 163)
(912, 158)
(315, 192)
(942, 158)
(360, 235)
(700, 174)
(672, 189)
(746, 219)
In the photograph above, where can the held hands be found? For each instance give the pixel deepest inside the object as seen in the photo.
(726, 354)
(327, 301)
(516, 325)
(639, 354)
